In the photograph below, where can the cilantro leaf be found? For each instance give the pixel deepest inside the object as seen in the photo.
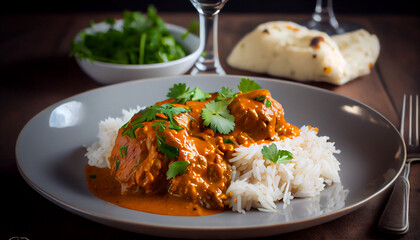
(170, 151)
(177, 169)
(198, 95)
(247, 85)
(166, 109)
(150, 114)
(161, 125)
(143, 39)
(226, 93)
(181, 93)
(123, 151)
(216, 115)
(131, 131)
(276, 156)
(260, 98)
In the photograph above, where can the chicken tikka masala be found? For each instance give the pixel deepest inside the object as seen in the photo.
(172, 157)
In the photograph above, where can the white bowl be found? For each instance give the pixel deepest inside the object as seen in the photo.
(109, 73)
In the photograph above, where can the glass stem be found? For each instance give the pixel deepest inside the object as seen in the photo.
(324, 13)
(208, 62)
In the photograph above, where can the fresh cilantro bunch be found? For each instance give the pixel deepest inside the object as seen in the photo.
(143, 39)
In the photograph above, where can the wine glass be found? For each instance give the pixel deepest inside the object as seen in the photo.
(208, 11)
(323, 19)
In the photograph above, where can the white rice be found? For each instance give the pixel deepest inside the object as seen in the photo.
(99, 152)
(259, 183)
(256, 182)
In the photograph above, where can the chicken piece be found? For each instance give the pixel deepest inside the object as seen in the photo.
(257, 113)
(137, 163)
(208, 174)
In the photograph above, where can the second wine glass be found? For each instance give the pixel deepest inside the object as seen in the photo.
(208, 11)
(323, 19)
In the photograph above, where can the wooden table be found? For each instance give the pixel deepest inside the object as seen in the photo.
(37, 72)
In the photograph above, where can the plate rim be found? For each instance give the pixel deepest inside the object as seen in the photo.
(94, 215)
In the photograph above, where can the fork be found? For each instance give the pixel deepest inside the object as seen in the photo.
(394, 219)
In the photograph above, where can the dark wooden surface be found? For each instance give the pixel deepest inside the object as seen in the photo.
(37, 72)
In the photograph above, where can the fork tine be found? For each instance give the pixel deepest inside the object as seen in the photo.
(410, 118)
(403, 117)
(417, 120)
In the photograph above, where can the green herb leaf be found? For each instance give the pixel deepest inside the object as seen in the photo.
(226, 93)
(260, 98)
(181, 93)
(177, 169)
(166, 109)
(216, 115)
(123, 151)
(276, 156)
(92, 176)
(247, 85)
(143, 39)
(170, 151)
(149, 114)
(268, 103)
(131, 131)
(198, 95)
(228, 141)
(110, 21)
(161, 125)
(117, 165)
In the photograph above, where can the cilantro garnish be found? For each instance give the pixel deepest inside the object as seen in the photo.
(151, 113)
(216, 115)
(177, 169)
(170, 151)
(181, 93)
(247, 85)
(143, 39)
(226, 93)
(117, 165)
(130, 131)
(260, 98)
(123, 151)
(198, 95)
(166, 109)
(160, 124)
(275, 155)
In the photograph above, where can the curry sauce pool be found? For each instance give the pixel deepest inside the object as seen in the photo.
(183, 148)
(107, 188)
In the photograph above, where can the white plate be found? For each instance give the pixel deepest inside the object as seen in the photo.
(50, 155)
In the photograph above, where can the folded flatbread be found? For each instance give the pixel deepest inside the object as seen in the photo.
(287, 49)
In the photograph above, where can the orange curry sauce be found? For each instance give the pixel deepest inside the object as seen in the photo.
(137, 180)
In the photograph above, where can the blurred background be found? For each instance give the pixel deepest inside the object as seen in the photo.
(269, 6)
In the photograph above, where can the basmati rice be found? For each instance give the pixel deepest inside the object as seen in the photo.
(259, 183)
(99, 152)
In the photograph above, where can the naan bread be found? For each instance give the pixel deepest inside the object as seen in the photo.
(287, 49)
